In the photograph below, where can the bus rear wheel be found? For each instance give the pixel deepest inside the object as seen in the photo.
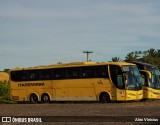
(33, 98)
(104, 97)
(45, 98)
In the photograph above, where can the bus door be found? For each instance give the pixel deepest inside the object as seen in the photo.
(116, 77)
(145, 83)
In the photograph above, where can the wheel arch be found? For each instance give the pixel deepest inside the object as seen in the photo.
(44, 94)
(109, 93)
(34, 94)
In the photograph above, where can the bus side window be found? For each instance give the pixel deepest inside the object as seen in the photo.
(44, 74)
(41, 75)
(15, 75)
(87, 72)
(24, 76)
(59, 73)
(47, 74)
(32, 76)
(72, 73)
(101, 72)
(75, 73)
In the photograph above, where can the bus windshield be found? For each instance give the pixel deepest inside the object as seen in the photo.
(133, 78)
(154, 82)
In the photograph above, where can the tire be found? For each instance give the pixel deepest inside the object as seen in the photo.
(45, 98)
(33, 98)
(143, 99)
(104, 97)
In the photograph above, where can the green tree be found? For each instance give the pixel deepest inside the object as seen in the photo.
(151, 52)
(158, 53)
(6, 70)
(132, 56)
(116, 59)
(151, 56)
(4, 90)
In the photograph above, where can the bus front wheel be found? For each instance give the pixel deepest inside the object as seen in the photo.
(33, 98)
(104, 97)
(45, 98)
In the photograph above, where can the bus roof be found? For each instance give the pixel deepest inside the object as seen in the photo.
(142, 65)
(74, 64)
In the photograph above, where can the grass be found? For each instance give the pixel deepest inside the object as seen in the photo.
(6, 101)
(4, 93)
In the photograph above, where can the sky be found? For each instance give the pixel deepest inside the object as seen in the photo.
(44, 32)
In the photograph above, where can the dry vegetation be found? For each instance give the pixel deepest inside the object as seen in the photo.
(4, 77)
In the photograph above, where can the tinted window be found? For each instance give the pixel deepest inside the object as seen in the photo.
(61, 73)
(45, 74)
(14, 76)
(58, 73)
(72, 73)
(101, 72)
(87, 72)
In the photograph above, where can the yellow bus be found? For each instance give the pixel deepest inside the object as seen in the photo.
(150, 80)
(77, 81)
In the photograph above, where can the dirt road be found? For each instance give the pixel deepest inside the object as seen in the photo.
(87, 112)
